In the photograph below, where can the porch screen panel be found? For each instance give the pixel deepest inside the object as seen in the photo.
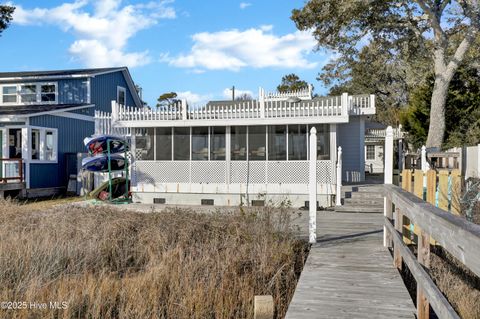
(144, 144)
(297, 142)
(217, 143)
(181, 143)
(257, 139)
(238, 143)
(277, 143)
(200, 143)
(323, 141)
(163, 140)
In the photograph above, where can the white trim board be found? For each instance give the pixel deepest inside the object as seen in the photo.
(75, 116)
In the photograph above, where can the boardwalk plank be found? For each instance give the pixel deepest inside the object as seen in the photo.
(349, 274)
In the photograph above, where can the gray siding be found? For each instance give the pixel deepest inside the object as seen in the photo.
(71, 133)
(353, 153)
(104, 90)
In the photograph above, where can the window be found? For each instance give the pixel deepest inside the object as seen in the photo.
(50, 154)
(43, 145)
(217, 143)
(181, 143)
(200, 143)
(9, 94)
(370, 152)
(144, 144)
(277, 143)
(256, 143)
(323, 141)
(121, 93)
(238, 141)
(48, 93)
(297, 142)
(163, 140)
(35, 149)
(28, 93)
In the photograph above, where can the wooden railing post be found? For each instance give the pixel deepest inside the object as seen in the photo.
(423, 257)
(397, 256)
(388, 213)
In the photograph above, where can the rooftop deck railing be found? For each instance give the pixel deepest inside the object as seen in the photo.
(325, 109)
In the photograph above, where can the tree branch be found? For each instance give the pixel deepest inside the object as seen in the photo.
(434, 18)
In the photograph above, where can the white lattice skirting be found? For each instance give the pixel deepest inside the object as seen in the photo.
(218, 177)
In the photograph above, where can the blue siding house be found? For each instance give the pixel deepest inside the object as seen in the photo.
(44, 117)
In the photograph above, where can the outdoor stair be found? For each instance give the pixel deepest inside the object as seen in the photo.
(361, 199)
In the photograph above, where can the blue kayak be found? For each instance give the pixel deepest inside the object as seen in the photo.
(99, 163)
(98, 144)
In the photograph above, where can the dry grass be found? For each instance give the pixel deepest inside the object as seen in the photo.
(173, 264)
(458, 284)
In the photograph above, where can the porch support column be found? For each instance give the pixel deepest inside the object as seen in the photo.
(333, 142)
(338, 196)
(362, 148)
(26, 153)
(227, 154)
(312, 202)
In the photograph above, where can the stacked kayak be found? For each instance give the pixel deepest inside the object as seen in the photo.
(107, 155)
(99, 144)
(99, 163)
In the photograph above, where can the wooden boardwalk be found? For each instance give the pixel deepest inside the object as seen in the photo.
(349, 274)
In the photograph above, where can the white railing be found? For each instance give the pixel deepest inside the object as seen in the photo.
(303, 94)
(381, 133)
(326, 109)
(103, 125)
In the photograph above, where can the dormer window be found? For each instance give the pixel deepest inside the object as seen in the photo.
(9, 94)
(48, 92)
(29, 93)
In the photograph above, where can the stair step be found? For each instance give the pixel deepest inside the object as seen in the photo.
(358, 209)
(361, 195)
(364, 201)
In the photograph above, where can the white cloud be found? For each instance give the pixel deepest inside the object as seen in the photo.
(102, 28)
(194, 98)
(244, 5)
(227, 93)
(255, 47)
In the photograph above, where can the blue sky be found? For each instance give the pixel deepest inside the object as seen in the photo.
(196, 48)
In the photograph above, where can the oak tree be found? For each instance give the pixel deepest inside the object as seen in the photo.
(446, 29)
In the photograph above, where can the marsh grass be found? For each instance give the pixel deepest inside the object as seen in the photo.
(107, 263)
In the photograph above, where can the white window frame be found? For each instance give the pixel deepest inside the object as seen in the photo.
(124, 90)
(43, 145)
(374, 152)
(38, 90)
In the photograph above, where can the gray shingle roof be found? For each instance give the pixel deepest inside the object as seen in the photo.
(57, 72)
(36, 108)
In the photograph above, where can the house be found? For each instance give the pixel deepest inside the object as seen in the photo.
(236, 152)
(44, 117)
(374, 142)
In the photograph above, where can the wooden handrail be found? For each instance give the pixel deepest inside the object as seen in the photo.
(455, 234)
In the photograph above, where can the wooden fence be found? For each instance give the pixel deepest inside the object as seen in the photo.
(441, 189)
(456, 235)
